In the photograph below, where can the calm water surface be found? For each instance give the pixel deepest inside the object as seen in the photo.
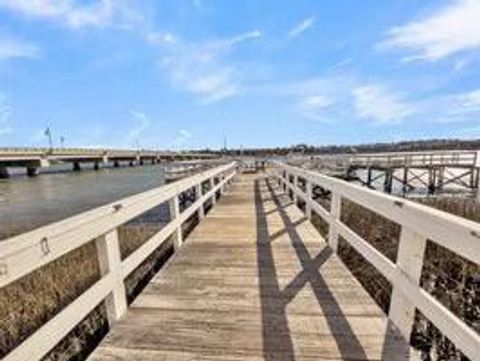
(28, 203)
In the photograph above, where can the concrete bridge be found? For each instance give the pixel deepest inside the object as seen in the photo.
(34, 158)
(254, 280)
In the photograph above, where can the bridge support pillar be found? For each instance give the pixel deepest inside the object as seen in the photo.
(116, 163)
(441, 178)
(76, 166)
(131, 164)
(109, 259)
(405, 180)
(174, 204)
(96, 166)
(369, 177)
(410, 261)
(4, 172)
(140, 161)
(431, 180)
(32, 171)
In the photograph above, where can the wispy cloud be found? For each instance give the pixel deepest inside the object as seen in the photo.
(300, 28)
(314, 107)
(183, 138)
(5, 111)
(378, 103)
(16, 48)
(75, 14)
(141, 124)
(204, 69)
(449, 30)
(450, 108)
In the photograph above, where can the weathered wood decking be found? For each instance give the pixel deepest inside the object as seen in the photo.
(254, 281)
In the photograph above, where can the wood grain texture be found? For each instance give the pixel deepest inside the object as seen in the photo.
(254, 281)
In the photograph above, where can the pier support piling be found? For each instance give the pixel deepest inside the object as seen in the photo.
(96, 166)
(32, 171)
(76, 167)
(4, 172)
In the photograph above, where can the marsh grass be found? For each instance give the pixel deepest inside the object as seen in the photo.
(27, 304)
(34, 299)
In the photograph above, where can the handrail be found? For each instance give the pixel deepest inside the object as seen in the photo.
(418, 223)
(25, 253)
(431, 158)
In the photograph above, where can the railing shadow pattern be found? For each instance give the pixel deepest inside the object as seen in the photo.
(277, 340)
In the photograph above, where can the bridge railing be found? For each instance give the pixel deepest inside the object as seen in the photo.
(418, 223)
(23, 254)
(34, 151)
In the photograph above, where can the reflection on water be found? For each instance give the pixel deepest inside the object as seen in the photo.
(28, 203)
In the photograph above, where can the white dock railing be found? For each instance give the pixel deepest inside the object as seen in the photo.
(418, 223)
(25, 253)
(448, 158)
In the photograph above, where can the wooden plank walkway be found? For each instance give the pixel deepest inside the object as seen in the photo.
(254, 281)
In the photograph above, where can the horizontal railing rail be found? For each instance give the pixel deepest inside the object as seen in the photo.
(412, 159)
(23, 254)
(418, 224)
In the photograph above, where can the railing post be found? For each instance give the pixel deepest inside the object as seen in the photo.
(212, 185)
(199, 194)
(409, 261)
(335, 210)
(174, 204)
(295, 184)
(223, 188)
(309, 200)
(109, 261)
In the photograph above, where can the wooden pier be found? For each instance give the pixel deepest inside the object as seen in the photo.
(254, 280)
(432, 171)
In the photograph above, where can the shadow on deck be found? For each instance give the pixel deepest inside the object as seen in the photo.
(276, 333)
(255, 281)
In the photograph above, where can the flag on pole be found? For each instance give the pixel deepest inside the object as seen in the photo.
(48, 134)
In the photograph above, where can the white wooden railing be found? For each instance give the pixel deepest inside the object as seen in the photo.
(418, 223)
(450, 158)
(25, 253)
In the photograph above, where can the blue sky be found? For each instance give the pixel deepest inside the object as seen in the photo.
(183, 74)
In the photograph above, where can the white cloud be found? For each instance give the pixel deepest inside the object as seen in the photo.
(377, 103)
(72, 13)
(160, 38)
(314, 107)
(15, 48)
(203, 69)
(451, 29)
(303, 26)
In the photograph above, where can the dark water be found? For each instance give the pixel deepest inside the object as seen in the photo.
(28, 203)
